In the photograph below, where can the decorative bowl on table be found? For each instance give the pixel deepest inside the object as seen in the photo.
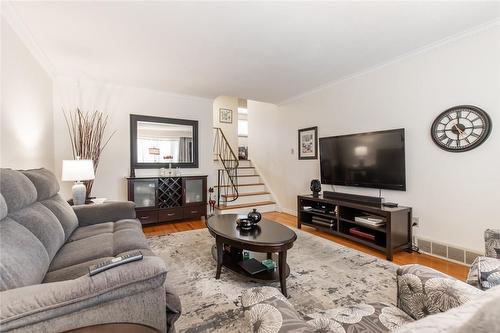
(246, 223)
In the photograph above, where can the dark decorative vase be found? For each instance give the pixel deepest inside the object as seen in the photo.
(315, 187)
(255, 215)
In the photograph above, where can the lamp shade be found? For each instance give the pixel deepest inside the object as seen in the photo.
(73, 170)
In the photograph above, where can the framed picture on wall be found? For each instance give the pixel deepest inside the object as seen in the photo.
(226, 116)
(308, 143)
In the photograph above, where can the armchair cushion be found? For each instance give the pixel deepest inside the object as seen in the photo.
(359, 318)
(492, 243)
(28, 305)
(484, 273)
(109, 211)
(478, 316)
(267, 310)
(423, 291)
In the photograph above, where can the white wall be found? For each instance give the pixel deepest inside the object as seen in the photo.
(455, 195)
(119, 102)
(230, 130)
(26, 121)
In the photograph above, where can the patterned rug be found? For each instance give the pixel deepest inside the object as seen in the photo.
(323, 275)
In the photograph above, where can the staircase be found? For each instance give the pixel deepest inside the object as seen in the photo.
(251, 193)
(239, 189)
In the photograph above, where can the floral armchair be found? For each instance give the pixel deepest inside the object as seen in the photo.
(424, 296)
(485, 270)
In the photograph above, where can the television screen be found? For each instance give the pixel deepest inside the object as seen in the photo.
(375, 160)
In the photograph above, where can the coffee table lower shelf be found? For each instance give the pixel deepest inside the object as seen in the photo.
(266, 276)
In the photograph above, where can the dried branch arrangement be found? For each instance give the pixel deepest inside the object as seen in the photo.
(87, 135)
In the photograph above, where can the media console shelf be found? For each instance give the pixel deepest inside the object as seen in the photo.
(338, 217)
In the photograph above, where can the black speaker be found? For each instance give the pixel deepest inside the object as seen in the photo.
(361, 199)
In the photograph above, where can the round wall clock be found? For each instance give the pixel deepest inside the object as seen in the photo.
(461, 128)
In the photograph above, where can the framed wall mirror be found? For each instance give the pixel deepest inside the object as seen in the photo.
(156, 142)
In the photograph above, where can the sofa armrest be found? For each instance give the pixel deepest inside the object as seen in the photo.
(37, 303)
(109, 211)
(423, 291)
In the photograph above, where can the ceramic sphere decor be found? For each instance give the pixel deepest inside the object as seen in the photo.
(461, 128)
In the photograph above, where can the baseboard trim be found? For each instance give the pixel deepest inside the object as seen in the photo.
(289, 211)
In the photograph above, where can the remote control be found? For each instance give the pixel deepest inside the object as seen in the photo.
(117, 261)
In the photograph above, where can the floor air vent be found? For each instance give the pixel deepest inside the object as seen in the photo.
(448, 252)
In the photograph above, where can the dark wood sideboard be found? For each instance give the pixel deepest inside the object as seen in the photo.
(395, 235)
(165, 199)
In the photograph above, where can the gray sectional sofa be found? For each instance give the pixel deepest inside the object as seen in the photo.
(428, 302)
(46, 247)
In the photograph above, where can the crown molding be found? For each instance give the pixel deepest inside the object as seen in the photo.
(475, 30)
(20, 28)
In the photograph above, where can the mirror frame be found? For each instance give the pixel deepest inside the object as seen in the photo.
(134, 164)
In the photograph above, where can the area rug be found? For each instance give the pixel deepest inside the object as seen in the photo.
(323, 275)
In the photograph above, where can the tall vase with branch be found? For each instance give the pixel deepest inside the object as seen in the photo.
(87, 133)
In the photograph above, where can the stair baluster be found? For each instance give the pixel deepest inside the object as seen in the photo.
(227, 177)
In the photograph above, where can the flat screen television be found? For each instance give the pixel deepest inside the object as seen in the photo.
(375, 159)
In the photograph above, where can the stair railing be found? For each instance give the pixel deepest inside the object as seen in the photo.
(227, 177)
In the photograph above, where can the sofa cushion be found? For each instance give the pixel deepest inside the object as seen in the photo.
(97, 242)
(17, 190)
(43, 224)
(45, 182)
(91, 230)
(23, 258)
(106, 227)
(63, 212)
(32, 305)
(3, 207)
(72, 272)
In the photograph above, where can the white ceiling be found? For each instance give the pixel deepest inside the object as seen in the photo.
(256, 50)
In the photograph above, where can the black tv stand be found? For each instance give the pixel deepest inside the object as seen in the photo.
(394, 236)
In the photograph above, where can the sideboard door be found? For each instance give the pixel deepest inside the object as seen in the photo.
(195, 191)
(143, 192)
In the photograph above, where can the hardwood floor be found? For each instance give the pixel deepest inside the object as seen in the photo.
(401, 258)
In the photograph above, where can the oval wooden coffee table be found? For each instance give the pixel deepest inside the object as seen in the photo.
(268, 237)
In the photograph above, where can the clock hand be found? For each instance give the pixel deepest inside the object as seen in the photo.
(458, 130)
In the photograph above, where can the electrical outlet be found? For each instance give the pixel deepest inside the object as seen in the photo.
(415, 221)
